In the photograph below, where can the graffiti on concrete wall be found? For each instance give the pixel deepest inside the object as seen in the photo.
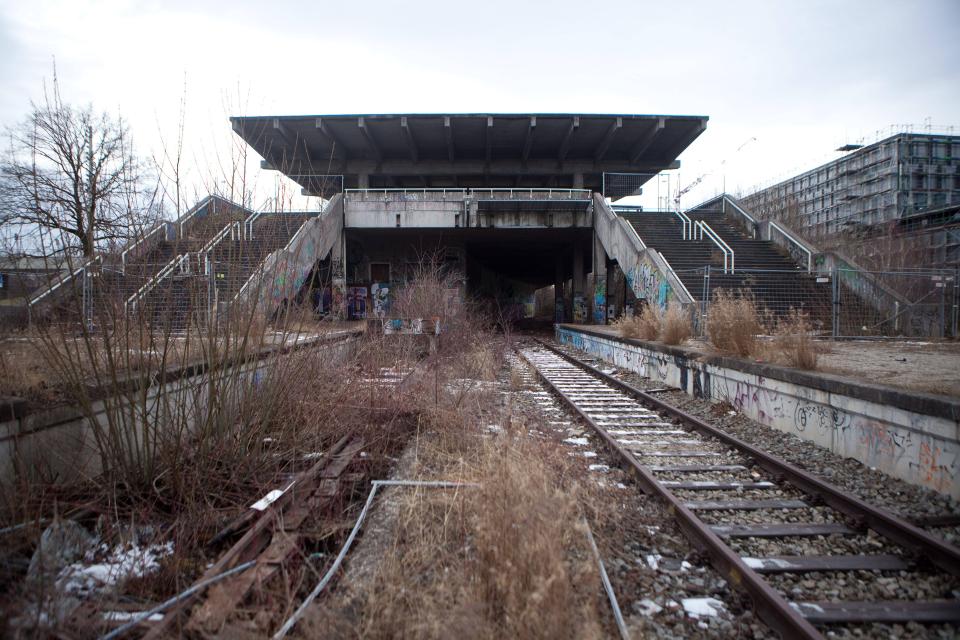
(914, 452)
(646, 281)
(579, 309)
(600, 300)
(380, 295)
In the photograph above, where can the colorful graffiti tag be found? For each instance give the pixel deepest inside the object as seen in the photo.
(646, 282)
(600, 300)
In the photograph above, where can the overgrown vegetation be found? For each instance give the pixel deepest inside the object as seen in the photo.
(733, 323)
(504, 555)
(671, 326)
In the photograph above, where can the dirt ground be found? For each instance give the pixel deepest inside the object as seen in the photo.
(926, 366)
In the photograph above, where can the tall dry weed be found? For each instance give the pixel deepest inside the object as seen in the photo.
(793, 343)
(733, 323)
(643, 326)
(675, 325)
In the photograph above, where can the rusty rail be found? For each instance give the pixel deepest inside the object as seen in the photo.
(769, 604)
(940, 553)
(269, 542)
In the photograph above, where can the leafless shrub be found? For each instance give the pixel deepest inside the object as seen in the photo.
(733, 323)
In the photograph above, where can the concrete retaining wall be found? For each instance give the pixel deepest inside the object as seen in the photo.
(60, 443)
(912, 436)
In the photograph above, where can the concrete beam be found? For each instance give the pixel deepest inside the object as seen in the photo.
(528, 141)
(567, 137)
(408, 138)
(448, 136)
(368, 137)
(644, 143)
(615, 126)
(335, 143)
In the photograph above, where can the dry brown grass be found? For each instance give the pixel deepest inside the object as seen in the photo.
(645, 326)
(793, 343)
(670, 326)
(733, 323)
(675, 325)
(506, 559)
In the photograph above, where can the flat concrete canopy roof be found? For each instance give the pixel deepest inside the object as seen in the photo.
(466, 150)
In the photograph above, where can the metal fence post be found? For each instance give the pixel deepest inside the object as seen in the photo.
(956, 300)
(705, 299)
(835, 316)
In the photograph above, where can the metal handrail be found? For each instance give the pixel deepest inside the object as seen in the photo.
(686, 223)
(248, 224)
(471, 191)
(717, 240)
(63, 280)
(783, 232)
(740, 210)
(131, 303)
(191, 213)
(123, 256)
(204, 253)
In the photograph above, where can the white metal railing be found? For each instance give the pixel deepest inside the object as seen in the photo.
(699, 228)
(773, 225)
(687, 224)
(123, 256)
(248, 224)
(579, 194)
(191, 213)
(62, 281)
(233, 229)
(744, 214)
(177, 261)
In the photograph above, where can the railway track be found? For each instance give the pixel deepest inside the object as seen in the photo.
(744, 509)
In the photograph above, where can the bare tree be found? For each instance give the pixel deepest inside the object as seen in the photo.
(70, 180)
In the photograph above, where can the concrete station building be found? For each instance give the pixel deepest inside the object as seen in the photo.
(508, 199)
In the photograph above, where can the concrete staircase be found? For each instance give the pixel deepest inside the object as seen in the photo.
(777, 282)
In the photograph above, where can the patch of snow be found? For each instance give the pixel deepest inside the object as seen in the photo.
(602, 468)
(580, 442)
(653, 560)
(647, 607)
(120, 564)
(703, 607)
(589, 454)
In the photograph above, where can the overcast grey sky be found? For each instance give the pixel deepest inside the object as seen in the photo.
(801, 77)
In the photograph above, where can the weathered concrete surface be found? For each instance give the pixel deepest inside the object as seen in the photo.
(647, 273)
(60, 443)
(909, 435)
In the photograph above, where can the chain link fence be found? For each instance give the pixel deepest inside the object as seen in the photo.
(842, 302)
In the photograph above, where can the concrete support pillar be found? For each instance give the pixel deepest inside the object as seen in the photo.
(579, 301)
(363, 181)
(578, 181)
(558, 313)
(338, 277)
(599, 282)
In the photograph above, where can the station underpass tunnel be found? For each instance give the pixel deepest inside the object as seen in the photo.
(501, 269)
